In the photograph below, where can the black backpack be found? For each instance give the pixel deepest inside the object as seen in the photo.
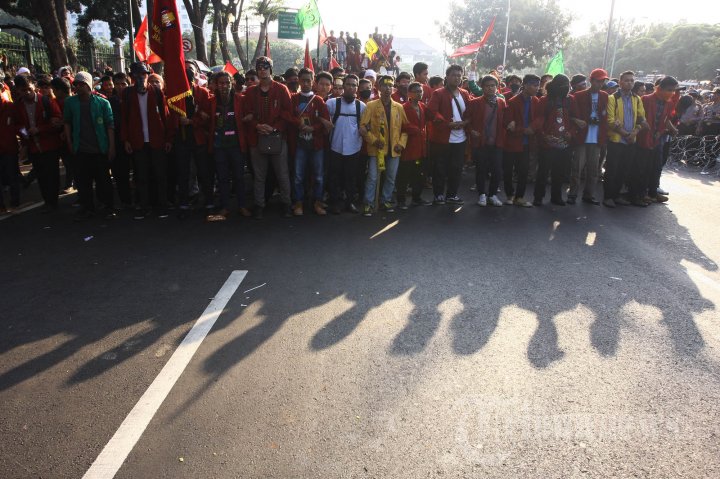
(336, 114)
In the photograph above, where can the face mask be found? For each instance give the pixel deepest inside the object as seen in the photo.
(514, 87)
(365, 94)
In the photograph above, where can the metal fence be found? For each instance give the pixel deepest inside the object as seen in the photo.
(26, 50)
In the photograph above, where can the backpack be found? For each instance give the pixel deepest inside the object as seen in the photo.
(336, 114)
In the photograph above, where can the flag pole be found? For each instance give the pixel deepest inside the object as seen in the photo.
(507, 29)
(607, 39)
(131, 35)
(317, 55)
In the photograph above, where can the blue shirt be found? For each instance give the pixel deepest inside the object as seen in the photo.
(628, 114)
(592, 134)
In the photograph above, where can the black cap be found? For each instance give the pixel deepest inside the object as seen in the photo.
(578, 79)
(139, 67)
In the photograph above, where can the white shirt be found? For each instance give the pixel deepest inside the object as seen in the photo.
(142, 99)
(346, 138)
(458, 136)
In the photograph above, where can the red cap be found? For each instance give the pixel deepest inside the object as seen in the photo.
(598, 74)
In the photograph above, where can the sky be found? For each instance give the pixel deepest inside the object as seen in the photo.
(419, 21)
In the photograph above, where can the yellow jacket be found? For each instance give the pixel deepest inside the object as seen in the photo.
(374, 117)
(616, 114)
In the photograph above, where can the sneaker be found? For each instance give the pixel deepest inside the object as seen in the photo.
(402, 204)
(420, 202)
(141, 214)
(319, 208)
(660, 191)
(455, 200)
(610, 203)
(367, 210)
(537, 202)
(522, 202)
(495, 201)
(298, 209)
(387, 206)
(508, 201)
(439, 200)
(591, 201)
(353, 208)
(661, 198)
(571, 200)
(622, 202)
(245, 213)
(482, 201)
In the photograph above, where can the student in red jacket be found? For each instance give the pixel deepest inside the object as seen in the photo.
(227, 142)
(487, 137)
(268, 107)
(520, 123)
(307, 137)
(447, 137)
(410, 167)
(9, 172)
(189, 138)
(588, 110)
(659, 108)
(39, 122)
(144, 136)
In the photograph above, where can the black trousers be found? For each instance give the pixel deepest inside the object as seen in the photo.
(186, 153)
(47, 170)
(488, 160)
(120, 167)
(556, 162)
(343, 170)
(409, 173)
(448, 163)
(149, 159)
(93, 168)
(518, 162)
(621, 159)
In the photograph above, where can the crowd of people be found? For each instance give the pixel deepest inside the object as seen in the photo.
(337, 141)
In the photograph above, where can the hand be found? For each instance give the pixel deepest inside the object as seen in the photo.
(168, 147)
(56, 122)
(528, 131)
(379, 144)
(247, 117)
(33, 131)
(185, 121)
(204, 116)
(511, 126)
(306, 129)
(580, 123)
(128, 148)
(398, 149)
(475, 134)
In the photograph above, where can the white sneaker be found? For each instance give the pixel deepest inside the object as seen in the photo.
(495, 201)
(660, 191)
(482, 201)
(508, 201)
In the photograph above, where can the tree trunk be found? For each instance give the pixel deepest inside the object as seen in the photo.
(53, 31)
(213, 41)
(260, 48)
(222, 38)
(197, 12)
(236, 36)
(200, 46)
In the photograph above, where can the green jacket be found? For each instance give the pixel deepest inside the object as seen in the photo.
(102, 118)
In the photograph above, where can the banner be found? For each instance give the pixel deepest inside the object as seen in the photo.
(166, 42)
(474, 47)
(308, 16)
(371, 48)
(308, 60)
(140, 45)
(556, 64)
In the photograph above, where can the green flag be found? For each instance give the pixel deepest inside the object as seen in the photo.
(308, 16)
(555, 65)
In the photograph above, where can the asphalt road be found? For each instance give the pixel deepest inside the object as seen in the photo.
(498, 342)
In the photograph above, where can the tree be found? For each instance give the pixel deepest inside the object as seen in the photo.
(114, 12)
(197, 10)
(268, 11)
(538, 28)
(51, 17)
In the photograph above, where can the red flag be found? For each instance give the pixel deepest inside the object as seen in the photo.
(322, 34)
(230, 68)
(166, 42)
(474, 47)
(140, 45)
(333, 63)
(387, 47)
(267, 46)
(308, 60)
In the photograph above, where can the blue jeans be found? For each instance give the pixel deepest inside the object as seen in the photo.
(391, 167)
(315, 157)
(230, 167)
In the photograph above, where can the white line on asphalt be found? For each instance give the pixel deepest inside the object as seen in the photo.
(117, 450)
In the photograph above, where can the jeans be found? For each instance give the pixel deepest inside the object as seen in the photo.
(93, 168)
(488, 159)
(10, 176)
(585, 161)
(185, 154)
(448, 160)
(302, 157)
(391, 167)
(520, 163)
(554, 161)
(230, 168)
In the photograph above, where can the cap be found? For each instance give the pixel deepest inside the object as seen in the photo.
(576, 79)
(84, 77)
(693, 92)
(139, 67)
(599, 74)
(22, 70)
(371, 74)
(263, 61)
(611, 84)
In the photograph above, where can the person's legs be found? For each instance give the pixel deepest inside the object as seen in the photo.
(121, 174)
(160, 171)
(577, 166)
(280, 167)
(10, 177)
(509, 161)
(391, 167)
(301, 158)
(205, 175)
(183, 157)
(522, 166)
(559, 166)
(496, 169)
(336, 179)
(237, 164)
(83, 181)
(142, 176)
(403, 180)
(454, 167)
(371, 181)
(318, 169)
(223, 170)
(613, 171)
(103, 183)
(47, 167)
(439, 160)
(592, 158)
(544, 162)
(351, 165)
(260, 167)
(480, 159)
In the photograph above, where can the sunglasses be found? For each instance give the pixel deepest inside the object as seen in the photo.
(262, 66)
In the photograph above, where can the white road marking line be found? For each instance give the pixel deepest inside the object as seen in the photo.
(122, 443)
(253, 289)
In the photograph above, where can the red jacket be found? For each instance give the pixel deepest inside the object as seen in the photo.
(581, 108)
(132, 130)
(650, 138)
(476, 114)
(48, 137)
(210, 109)
(315, 110)
(514, 113)
(427, 93)
(201, 96)
(440, 112)
(416, 148)
(397, 96)
(279, 114)
(8, 129)
(547, 124)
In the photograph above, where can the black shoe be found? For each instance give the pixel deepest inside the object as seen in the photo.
(258, 215)
(421, 202)
(591, 201)
(141, 214)
(353, 208)
(558, 202)
(571, 200)
(454, 200)
(163, 214)
(537, 202)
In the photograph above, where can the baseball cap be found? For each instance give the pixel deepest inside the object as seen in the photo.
(611, 84)
(598, 74)
(84, 77)
(139, 67)
(22, 70)
(263, 62)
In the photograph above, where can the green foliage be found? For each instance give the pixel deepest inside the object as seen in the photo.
(538, 29)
